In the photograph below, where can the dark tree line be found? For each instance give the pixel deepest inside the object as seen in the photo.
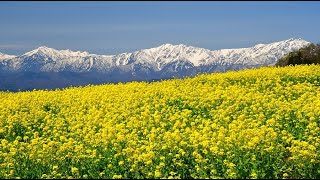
(307, 55)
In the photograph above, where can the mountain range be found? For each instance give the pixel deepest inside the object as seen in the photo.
(48, 68)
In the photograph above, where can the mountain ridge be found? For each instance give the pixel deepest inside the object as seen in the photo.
(161, 62)
(158, 57)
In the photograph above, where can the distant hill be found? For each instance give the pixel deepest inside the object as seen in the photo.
(306, 55)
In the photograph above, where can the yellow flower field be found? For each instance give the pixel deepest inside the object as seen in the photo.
(261, 123)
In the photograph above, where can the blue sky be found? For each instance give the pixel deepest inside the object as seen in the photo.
(115, 27)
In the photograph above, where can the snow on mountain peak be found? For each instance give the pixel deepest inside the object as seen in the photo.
(158, 58)
(170, 46)
(258, 54)
(53, 53)
(6, 56)
(68, 52)
(42, 50)
(167, 45)
(43, 47)
(296, 40)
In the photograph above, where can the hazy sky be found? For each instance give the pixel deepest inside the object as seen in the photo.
(114, 27)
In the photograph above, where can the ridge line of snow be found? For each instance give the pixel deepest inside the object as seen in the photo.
(156, 58)
(158, 47)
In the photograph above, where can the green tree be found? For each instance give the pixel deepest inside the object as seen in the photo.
(307, 55)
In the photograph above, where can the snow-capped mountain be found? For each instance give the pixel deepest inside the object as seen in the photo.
(160, 62)
(6, 56)
(47, 59)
